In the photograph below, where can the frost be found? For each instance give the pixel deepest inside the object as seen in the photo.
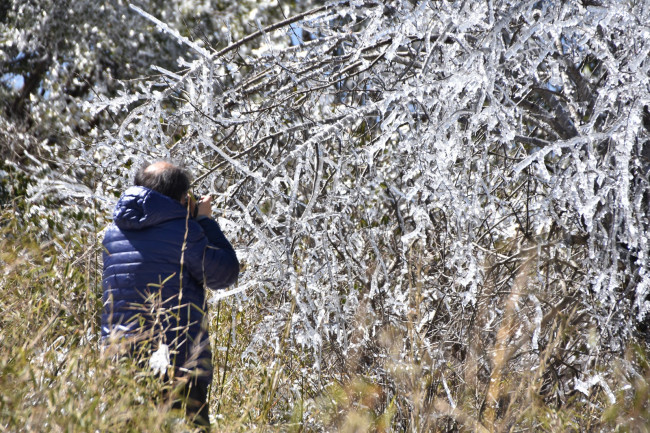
(159, 361)
(585, 386)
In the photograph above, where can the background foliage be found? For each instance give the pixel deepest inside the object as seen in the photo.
(441, 207)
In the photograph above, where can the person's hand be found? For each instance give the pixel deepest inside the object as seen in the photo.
(205, 206)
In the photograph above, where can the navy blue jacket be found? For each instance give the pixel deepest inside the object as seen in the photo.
(157, 264)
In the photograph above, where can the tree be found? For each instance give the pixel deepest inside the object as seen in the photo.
(58, 56)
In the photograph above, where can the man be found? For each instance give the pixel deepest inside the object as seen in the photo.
(160, 253)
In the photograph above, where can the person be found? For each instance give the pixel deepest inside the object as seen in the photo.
(160, 253)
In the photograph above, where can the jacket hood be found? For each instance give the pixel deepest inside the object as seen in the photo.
(140, 207)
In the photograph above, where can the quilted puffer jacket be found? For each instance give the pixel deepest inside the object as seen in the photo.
(157, 264)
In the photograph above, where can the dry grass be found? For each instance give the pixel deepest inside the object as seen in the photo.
(55, 378)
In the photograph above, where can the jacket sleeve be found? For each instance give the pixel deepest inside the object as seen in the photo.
(211, 258)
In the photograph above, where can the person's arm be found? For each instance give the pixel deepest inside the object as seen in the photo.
(219, 264)
(213, 232)
(219, 253)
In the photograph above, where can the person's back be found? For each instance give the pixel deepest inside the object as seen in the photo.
(157, 262)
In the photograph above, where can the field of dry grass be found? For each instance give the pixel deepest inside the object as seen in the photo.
(55, 377)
